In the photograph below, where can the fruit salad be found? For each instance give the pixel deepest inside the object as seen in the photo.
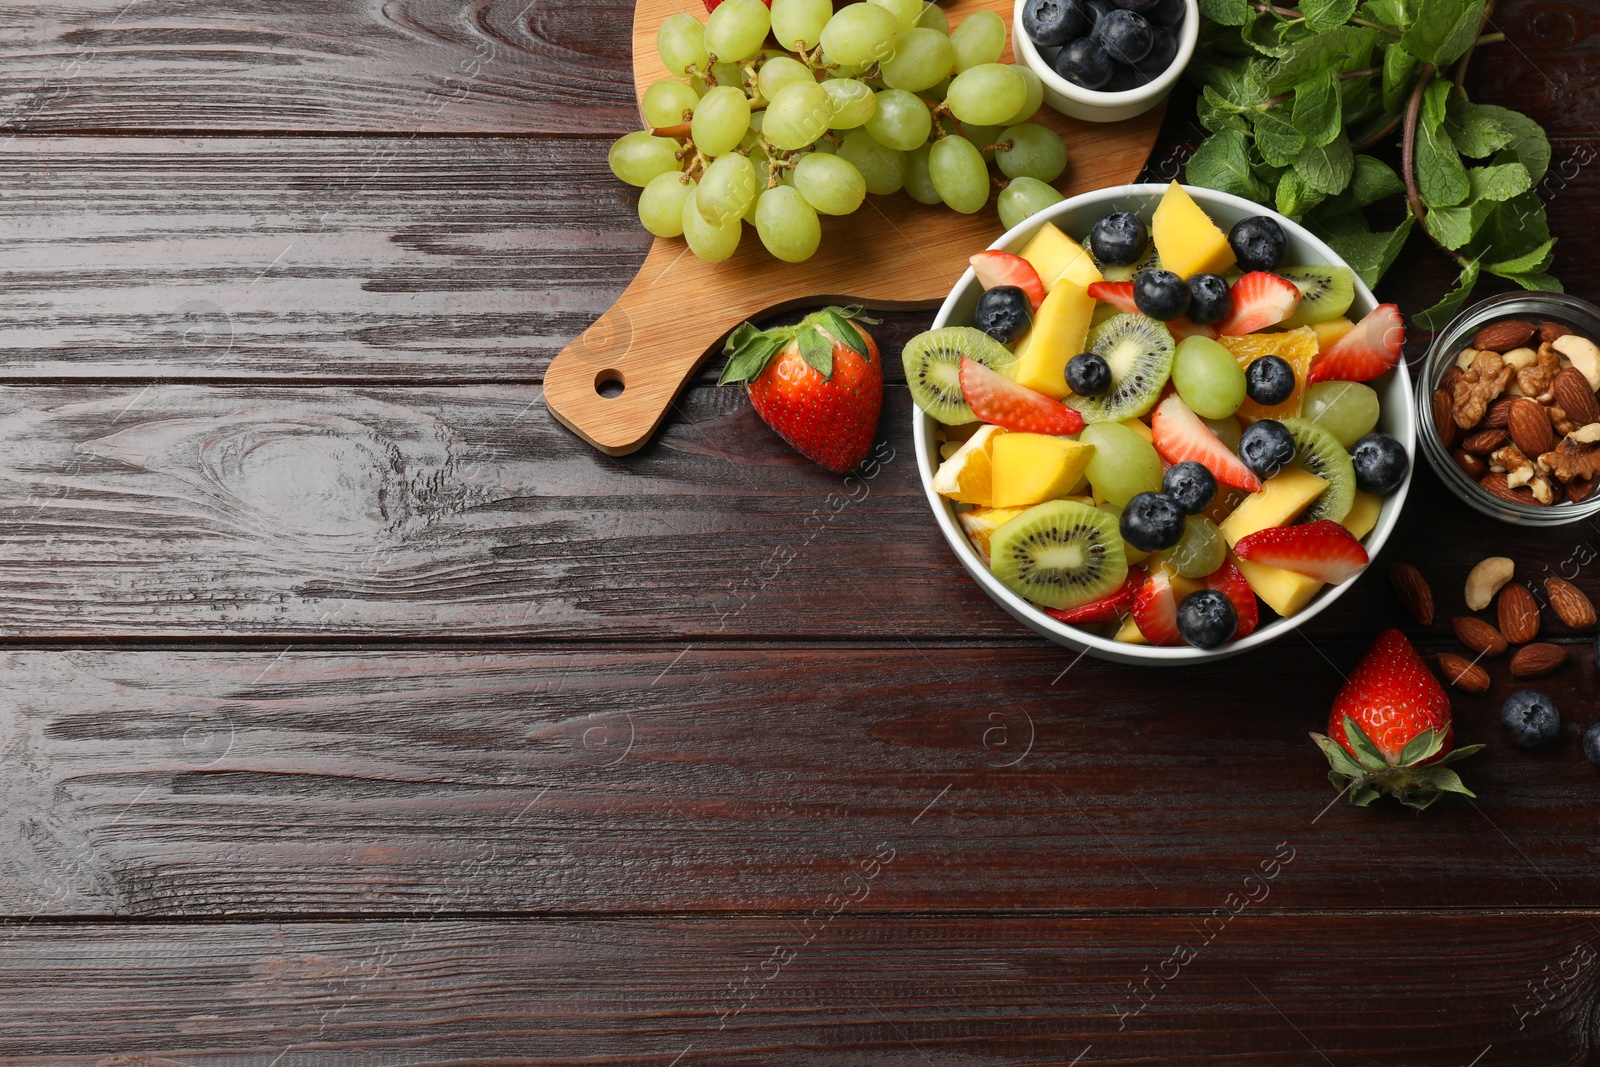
(1161, 432)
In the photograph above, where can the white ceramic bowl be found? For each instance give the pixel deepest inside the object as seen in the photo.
(1092, 105)
(1075, 216)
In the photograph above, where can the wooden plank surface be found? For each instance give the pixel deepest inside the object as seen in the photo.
(1253, 988)
(161, 782)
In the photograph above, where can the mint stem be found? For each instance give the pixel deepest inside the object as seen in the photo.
(1408, 160)
(1466, 57)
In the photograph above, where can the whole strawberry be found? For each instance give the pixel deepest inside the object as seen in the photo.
(1389, 731)
(819, 384)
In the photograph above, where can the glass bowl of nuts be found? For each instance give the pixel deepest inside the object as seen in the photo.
(1510, 419)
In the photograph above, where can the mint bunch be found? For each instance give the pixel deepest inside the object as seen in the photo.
(1295, 99)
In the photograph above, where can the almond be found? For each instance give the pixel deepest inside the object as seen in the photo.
(1451, 377)
(1574, 609)
(1443, 421)
(1412, 589)
(1463, 673)
(1581, 489)
(1482, 442)
(1495, 485)
(1499, 413)
(1534, 660)
(1470, 465)
(1503, 336)
(1549, 331)
(1572, 394)
(1519, 614)
(1478, 635)
(1530, 429)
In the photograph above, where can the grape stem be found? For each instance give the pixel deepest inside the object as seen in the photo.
(1003, 146)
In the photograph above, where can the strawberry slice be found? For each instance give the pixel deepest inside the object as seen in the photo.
(1365, 352)
(1227, 580)
(1118, 294)
(1322, 549)
(1180, 435)
(997, 399)
(1155, 610)
(1260, 299)
(995, 269)
(1113, 605)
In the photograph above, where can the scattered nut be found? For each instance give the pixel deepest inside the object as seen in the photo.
(1504, 335)
(1549, 331)
(1413, 590)
(1529, 428)
(1583, 354)
(1463, 673)
(1483, 442)
(1518, 613)
(1470, 465)
(1478, 635)
(1571, 391)
(1487, 579)
(1572, 607)
(1530, 661)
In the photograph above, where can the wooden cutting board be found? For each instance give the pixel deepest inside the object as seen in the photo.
(892, 254)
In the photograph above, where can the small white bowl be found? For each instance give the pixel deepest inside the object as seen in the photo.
(1075, 216)
(1092, 105)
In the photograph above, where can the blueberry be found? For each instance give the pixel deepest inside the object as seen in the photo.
(1209, 300)
(1206, 619)
(1532, 719)
(1266, 447)
(1160, 294)
(1191, 485)
(1088, 374)
(1053, 22)
(1152, 522)
(1083, 62)
(1125, 78)
(1097, 10)
(1125, 36)
(1168, 13)
(1381, 463)
(1139, 6)
(1119, 239)
(1269, 380)
(1591, 744)
(1258, 243)
(1004, 313)
(1163, 50)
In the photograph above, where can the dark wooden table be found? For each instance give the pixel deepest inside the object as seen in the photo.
(355, 712)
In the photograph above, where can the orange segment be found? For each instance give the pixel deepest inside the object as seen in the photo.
(1299, 347)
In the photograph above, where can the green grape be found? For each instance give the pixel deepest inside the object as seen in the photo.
(800, 22)
(1035, 152)
(1035, 99)
(825, 147)
(661, 204)
(727, 189)
(941, 90)
(1124, 464)
(682, 44)
(933, 18)
(905, 12)
(1201, 551)
(711, 243)
(901, 121)
(983, 138)
(919, 183)
(883, 168)
(860, 34)
(987, 94)
(853, 102)
(798, 115)
(830, 184)
(959, 174)
(730, 74)
(737, 29)
(1208, 378)
(763, 170)
(1348, 410)
(921, 60)
(978, 39)
(781, 71)
(721, 120)
(751, 143)
(666, 101)
(1021, 199)
(1227, 431)
(637, 158)
(787, 225)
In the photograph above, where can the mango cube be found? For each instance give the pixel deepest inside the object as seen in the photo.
(1129, 633)
(981, 523)
(1056, 257)
(1284, 496)
(968, 475)
(1187, 241)
(1138, 427)
(1059, 331)
(1330, 331)
(1283, 591)
(1030, 468)
(1363, 515)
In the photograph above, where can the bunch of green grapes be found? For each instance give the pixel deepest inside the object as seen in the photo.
(778, 116)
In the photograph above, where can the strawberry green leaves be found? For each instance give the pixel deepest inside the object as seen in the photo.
(749, 349)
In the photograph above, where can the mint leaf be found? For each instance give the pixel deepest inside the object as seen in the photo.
(1443, 29)
(1273, 36)
(1318, 114)
(1222, 162)
(1277, 141)
(1374, 180)
(1226, 12)
(1371, 254)
(1388, 12)
(1528, 143)
(1235, 79)
(1437, 317)
(1326, 14)
(1455, 226)
(1536, 281)
(816, 350)
(1441, 178)
(1434, 100)
(1327, 169)
(1530, 262)
(1516, 228)
(1499, 182)
(1398, 68)
(1217, 114)
(1294, 199)
(1475, 131)
(1340, 50)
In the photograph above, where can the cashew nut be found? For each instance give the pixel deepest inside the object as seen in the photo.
(1583, 354)
(1521, 357)
(1486, 579)
(1465, 358)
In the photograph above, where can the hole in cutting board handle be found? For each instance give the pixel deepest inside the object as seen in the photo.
(609, 384)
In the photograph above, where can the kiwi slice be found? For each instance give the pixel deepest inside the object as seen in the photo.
(933, 365)
(1325, 293)
(1320, 453)
(1139, 351)
(1149, 261)
(1060, 554)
